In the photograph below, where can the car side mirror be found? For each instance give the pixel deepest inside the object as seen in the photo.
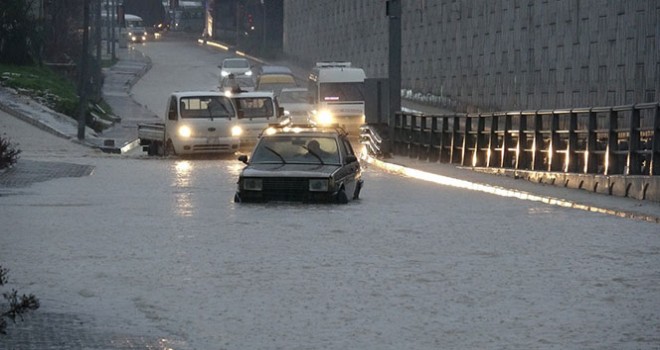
(280, 111)
(240, 114)
(243, 158)
(351, 159)
(219, 66)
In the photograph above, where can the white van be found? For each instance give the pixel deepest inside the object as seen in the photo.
(135, 28)
(256, 111)
(337, 92)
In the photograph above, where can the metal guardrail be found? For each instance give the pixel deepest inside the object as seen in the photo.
(618, 140)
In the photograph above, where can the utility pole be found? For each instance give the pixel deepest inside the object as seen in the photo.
(113, 20)
(97, 31)
(84, 78)
(393, 11)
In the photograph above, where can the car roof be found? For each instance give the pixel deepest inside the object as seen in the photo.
(307, 130)
(276, 79)
(275, 70)
(254, 94)
(180, 94)
(300, 89)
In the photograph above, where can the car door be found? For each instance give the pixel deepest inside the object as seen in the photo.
(351, 171)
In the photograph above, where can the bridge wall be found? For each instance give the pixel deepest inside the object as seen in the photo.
(493, 55)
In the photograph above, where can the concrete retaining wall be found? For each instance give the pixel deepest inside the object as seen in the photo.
(488, 55)
(638, 187)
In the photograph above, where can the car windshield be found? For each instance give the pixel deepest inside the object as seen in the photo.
(296, 149)
(255, 107)
(236, 64)
(293, 96)
(206, 107)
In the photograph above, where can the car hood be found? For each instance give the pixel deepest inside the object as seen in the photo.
(289, 170)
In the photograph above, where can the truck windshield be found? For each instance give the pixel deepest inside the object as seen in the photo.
(331, 92)
(206, 107)
(255, 107)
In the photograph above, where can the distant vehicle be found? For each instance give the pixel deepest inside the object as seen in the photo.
(275, 78)
(135, 28)
(256, 111)
(275, 82)
(296, 104)
(245, 83)
(236, 66)
(299, 163)
(265, 70)
(195, 122)
(337, 91)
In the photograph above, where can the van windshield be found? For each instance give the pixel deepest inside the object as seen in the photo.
(254, 107)
(331, 92)
(206, 107)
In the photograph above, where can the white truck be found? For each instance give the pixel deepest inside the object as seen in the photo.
(336, 89)
(256, 110)
(196, 122)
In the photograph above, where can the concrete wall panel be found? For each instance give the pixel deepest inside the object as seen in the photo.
(493, 54)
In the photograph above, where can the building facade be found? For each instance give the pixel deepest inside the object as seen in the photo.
(485, 55)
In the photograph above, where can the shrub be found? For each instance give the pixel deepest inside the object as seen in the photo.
(17, 305)
(8, 153)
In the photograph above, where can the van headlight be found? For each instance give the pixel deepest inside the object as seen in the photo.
(251, 184)
(236, 131)
(248, 73)
(224, 73)
(318, 185)
(185, 132)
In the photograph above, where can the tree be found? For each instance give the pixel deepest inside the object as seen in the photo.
(17, 305)
(20, 33)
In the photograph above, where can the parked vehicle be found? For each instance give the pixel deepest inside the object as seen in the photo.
(296, 104)
(337, 92)
(256, 111)
(236, 66)
(195, 122)
(296, 163)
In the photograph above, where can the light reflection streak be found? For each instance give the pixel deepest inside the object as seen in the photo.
(184, 204)
(503, 192)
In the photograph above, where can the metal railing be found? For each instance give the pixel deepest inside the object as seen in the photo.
(618, 140)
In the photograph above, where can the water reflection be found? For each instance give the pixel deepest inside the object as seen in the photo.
(182, 182)
(504, 192)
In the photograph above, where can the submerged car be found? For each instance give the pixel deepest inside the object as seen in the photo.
(301, 163)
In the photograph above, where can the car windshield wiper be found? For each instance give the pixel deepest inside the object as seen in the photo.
(276, 153)
(314, 154)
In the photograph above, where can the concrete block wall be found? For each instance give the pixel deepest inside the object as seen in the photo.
(494, 55)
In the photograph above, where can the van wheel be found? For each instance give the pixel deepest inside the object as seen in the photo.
(342, 198)
(155, 148)
(169, 149)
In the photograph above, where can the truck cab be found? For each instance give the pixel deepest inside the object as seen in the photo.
(195, 122)
(256, 111)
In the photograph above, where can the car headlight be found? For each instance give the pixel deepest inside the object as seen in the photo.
(318, 185)
(324, 117)
(250, 184)
(185, 132)
(248, 73)
(236, 131)
(224, 73)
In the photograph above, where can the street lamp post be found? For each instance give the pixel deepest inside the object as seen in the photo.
(263, 28)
